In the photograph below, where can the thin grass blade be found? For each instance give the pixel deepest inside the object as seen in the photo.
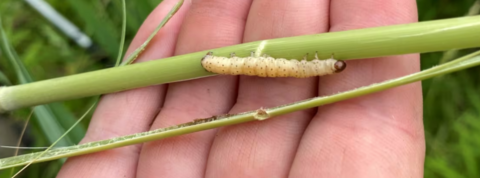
(122, 38)
(139, 50)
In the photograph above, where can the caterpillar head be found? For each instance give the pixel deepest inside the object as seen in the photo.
(339, 66)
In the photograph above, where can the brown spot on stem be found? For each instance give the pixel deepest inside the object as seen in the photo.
(261, 114)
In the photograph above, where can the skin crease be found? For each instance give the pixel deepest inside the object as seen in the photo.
(378, 135)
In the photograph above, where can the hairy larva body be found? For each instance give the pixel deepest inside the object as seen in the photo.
(266, 66)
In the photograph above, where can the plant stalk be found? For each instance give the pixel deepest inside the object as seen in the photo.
(467, 61)
(420, 37)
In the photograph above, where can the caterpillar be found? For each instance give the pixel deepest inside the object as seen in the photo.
(266, 66)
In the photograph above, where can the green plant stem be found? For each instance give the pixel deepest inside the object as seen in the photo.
(124, 30)
(430, 36)
(451, 54)
(140, 49)
(219, 121)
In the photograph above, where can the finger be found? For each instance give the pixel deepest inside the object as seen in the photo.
(378, 135)
(266, 149)
(209, 24)
(130, 111)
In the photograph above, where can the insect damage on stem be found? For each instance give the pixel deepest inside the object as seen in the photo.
(266, 66)
(261, 114)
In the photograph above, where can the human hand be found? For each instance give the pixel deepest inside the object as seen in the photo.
(379, 135)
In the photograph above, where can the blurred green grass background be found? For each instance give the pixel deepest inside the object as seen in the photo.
(451, 102)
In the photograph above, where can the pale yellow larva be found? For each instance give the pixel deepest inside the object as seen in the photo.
(266, 66)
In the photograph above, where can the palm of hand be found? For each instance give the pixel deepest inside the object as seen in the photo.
(377, 135)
